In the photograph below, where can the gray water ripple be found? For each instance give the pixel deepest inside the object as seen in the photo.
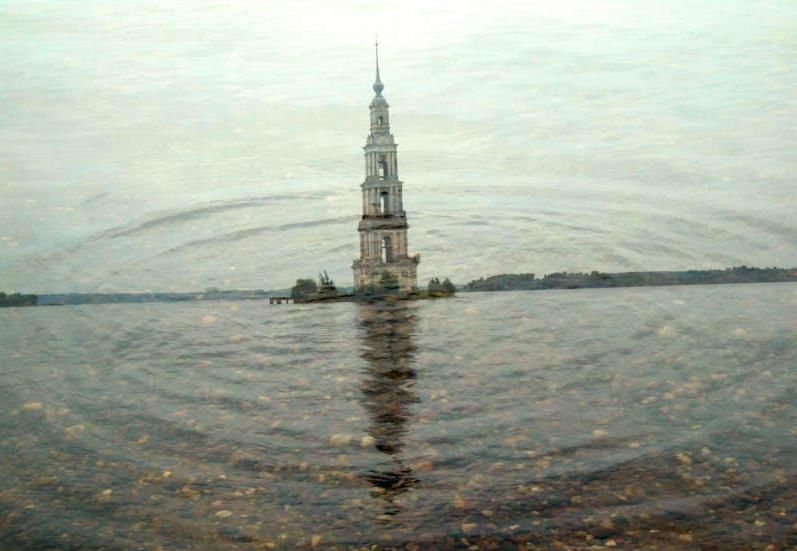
(247, 233)
(181, 216)
(771, 227)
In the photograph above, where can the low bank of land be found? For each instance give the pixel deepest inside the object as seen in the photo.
(502, 282)
(565, 280)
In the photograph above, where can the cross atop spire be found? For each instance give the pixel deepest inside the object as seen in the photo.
(378, 86)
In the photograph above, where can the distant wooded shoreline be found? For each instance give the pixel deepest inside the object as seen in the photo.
(502, 282)
(597, 280)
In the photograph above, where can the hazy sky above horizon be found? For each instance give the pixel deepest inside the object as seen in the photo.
(189, 144)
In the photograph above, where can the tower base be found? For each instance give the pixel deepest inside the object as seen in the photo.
(374, 274)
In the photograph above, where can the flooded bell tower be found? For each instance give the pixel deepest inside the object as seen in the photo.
(383, 227)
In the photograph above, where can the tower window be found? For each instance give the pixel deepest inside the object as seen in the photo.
(380, 121)
(385, 202)
(387, 249)
(382, 169)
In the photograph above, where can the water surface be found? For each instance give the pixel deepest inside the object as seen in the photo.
(617, 417)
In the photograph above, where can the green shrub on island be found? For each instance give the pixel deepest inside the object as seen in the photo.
(388, 285)
(307, 290)
(440, 289)
(304, 290)
(17, 299)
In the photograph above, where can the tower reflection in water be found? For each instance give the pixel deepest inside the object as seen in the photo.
(386, 332)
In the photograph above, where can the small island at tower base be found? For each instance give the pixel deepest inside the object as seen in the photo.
(386, 288)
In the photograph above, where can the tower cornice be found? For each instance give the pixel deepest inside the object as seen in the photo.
(380, 145)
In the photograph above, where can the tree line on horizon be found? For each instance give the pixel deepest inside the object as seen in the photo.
(17, 299)
(595, 279)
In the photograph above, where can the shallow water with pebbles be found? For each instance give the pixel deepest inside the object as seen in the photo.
(650, 417)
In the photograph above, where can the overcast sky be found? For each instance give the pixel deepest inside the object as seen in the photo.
(184, 145)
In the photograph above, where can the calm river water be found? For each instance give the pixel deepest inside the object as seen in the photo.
(574, 419)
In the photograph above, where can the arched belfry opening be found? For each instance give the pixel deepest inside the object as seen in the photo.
(380, 121)
(385, 202)
(382, 168)
(387, 249)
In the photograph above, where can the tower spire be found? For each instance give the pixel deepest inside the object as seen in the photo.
(378, 86)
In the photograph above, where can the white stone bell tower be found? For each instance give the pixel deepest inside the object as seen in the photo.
(383, 227)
